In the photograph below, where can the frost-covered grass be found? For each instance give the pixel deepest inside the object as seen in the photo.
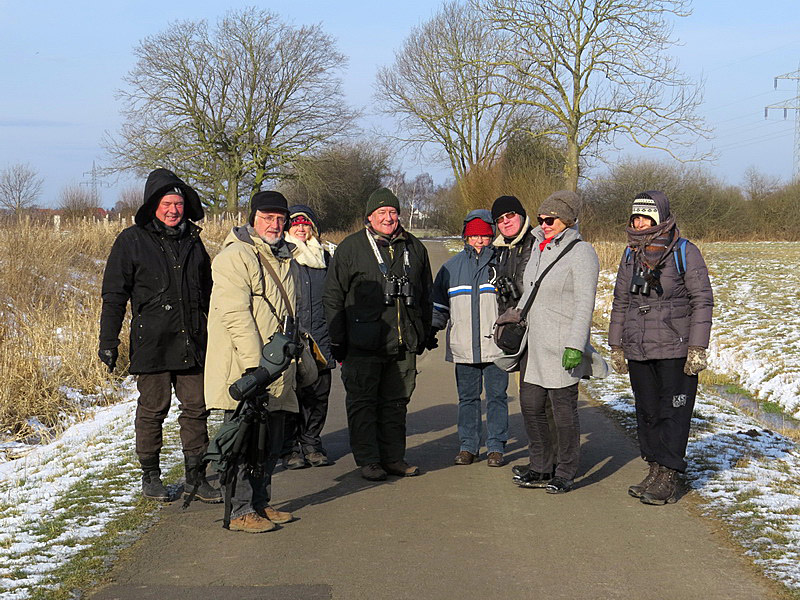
(63, 506)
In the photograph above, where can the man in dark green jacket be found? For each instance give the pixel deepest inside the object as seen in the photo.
(378, 306)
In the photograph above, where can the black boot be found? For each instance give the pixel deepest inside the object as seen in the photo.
(664, 488)
(637, 490)
(196, 476)
(151, 480)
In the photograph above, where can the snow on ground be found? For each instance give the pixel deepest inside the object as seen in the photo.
(748, 475)
(58, 497)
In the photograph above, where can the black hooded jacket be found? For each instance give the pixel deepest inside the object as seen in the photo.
(166, 276)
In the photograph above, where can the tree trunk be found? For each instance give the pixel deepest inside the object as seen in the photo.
(572, 165)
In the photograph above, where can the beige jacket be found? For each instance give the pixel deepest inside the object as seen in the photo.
(240, 320)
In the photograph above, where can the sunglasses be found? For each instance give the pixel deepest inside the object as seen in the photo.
(547, 220)
(506, 217)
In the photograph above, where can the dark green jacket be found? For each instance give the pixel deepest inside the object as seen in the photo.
(358, 318)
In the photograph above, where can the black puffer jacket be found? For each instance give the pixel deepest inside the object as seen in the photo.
(354, 301)
(512, 258)
(167, 280)
(666, 322)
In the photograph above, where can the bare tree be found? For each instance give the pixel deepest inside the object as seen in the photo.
(130, 199)
(20, 186)
(445, 97)
(75, 201)
(415, 196)
(599, 69)
(758, 185)
(229, 108)
(336, 181)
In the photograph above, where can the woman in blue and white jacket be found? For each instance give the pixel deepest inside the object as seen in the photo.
(465, 301)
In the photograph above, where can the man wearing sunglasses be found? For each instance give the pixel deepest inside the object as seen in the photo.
(513, 246)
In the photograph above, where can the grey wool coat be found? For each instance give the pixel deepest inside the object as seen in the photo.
(561, 314)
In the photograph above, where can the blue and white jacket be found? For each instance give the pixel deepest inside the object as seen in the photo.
(465, 301)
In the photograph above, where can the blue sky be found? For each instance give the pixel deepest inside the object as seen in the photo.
(61, 63)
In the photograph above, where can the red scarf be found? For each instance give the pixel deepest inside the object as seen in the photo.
(543, 244)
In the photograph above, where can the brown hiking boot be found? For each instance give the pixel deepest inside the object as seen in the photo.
(317, 459)
(465, 458)
(664, 488)
(373, 472)
(401, 468)
(495, 459)
(251, 523)
(637, 490)
(277, 516)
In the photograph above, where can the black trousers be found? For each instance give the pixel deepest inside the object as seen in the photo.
(665, 398)
(304, 429)
(378, 391)
(565, 437)
(155, 397)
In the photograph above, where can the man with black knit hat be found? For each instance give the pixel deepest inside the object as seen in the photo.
(378, 304)
(254, 291)
(160, 265)
(513, 243)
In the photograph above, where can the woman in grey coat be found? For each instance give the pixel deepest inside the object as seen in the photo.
(558, 352)
(660, 323)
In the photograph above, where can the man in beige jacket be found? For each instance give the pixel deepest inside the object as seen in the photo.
(247, 308)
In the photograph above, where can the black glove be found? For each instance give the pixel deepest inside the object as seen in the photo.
(339, 352)
(109, 358)
(432, 342)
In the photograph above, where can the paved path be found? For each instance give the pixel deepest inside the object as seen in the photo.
(453, 532)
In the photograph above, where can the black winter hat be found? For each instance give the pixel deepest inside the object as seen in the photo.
(506, 204)
(268, 201)
(161, 182)
(380, 198)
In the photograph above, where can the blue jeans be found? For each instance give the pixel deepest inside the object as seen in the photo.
(470, 378)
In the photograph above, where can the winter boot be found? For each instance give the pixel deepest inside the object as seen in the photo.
(151, 480)
(637, 490)
(664, 488)
(196, 476)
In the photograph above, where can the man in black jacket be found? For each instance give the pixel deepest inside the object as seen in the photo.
(513, 242)
(378, 305)
(160, 265)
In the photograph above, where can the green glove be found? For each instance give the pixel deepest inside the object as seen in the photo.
(571, 359)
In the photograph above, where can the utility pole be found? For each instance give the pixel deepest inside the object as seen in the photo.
(786, 106)
(94, 183)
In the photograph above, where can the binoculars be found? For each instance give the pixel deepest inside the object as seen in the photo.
(640, 283)
(398, 288)
(507, 289)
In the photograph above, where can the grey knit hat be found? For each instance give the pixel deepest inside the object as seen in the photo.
(562, 204)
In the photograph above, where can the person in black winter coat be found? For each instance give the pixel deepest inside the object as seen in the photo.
(161, 267)
(303, 441)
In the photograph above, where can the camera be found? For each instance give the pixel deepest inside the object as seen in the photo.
(276, 355)
(507, 289)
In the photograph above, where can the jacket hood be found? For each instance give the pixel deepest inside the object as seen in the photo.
(158, 183)
(479, 213)
(241, 234)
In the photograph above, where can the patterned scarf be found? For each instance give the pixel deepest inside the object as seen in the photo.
(387, 240)
(652, 245)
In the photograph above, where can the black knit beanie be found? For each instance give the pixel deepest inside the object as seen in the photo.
(267, 202)
(506, 204)
(380, 198)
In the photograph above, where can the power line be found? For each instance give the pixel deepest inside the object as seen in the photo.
(786, 106)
